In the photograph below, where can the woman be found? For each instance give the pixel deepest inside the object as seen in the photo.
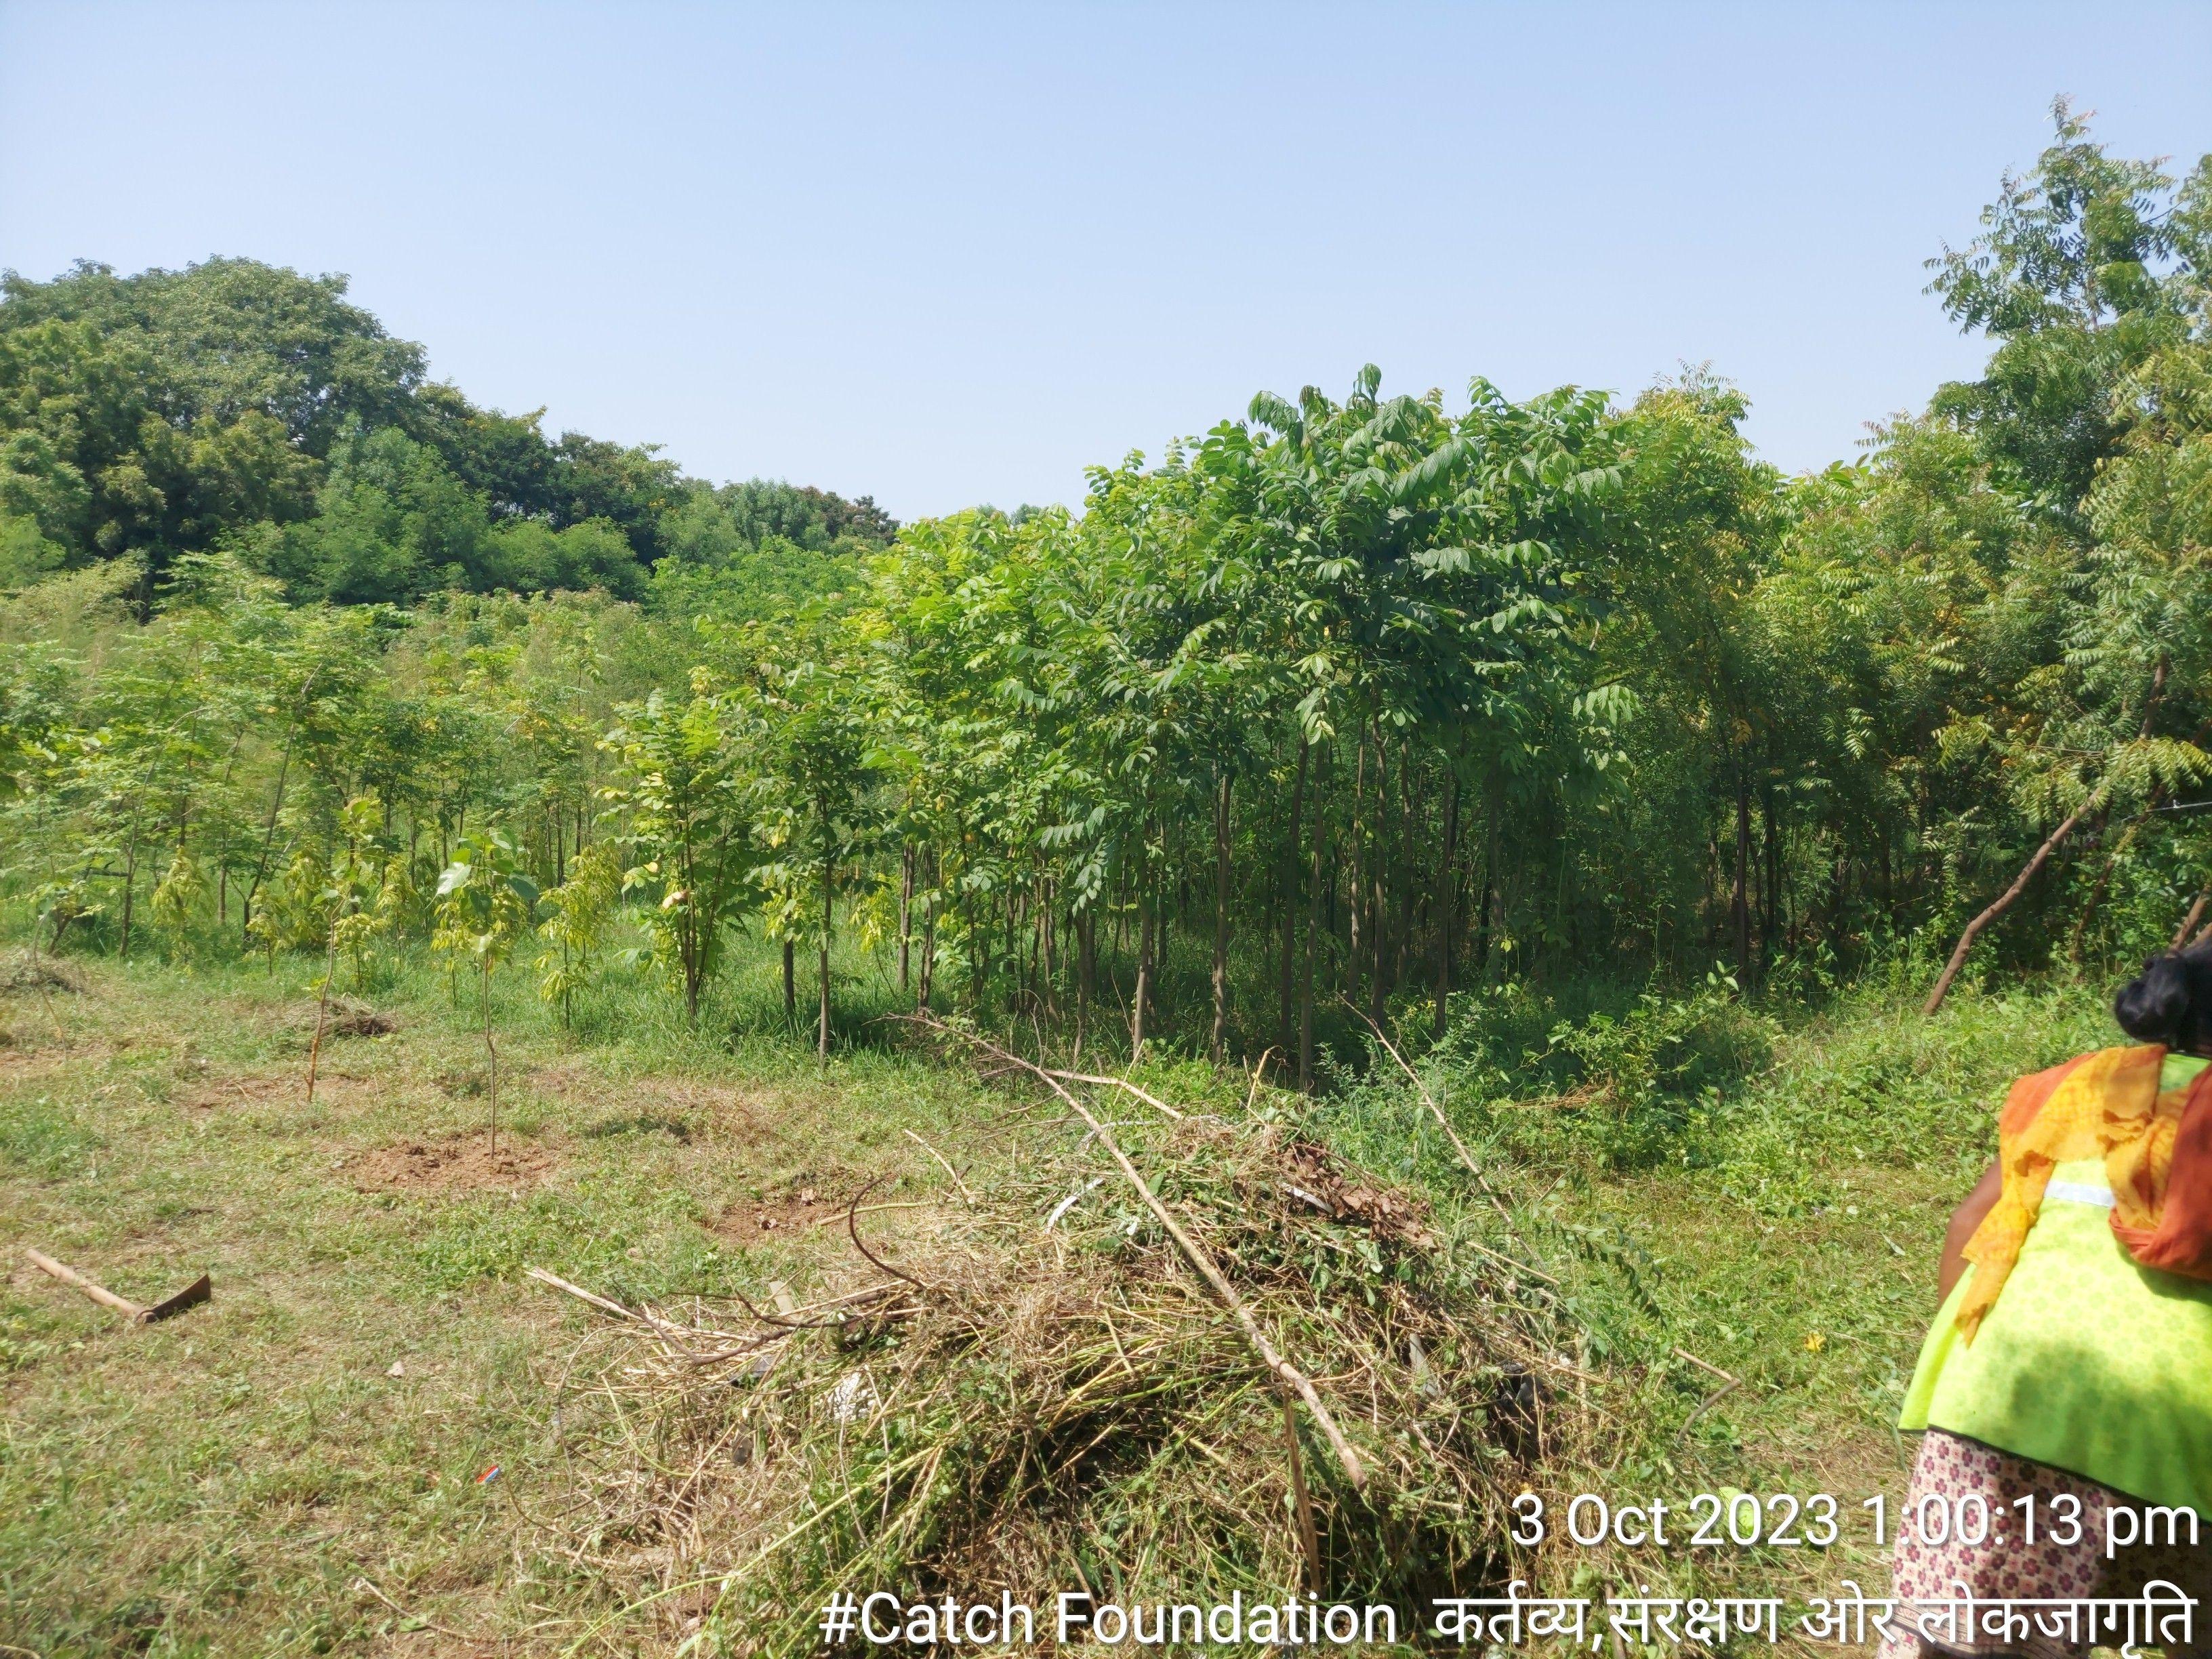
(2069, 1374)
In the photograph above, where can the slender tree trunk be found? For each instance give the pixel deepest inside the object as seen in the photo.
(2189, 922)
(906, 914)
(829, 903)
(1220, 920)
(1363, 918)
(1377, 886)
(790, 980)
(1290, 900)
(1770, 929)
(1740, 897)
(929, 954)
(1313, 940)
(2003, 902)
(1489, 879)
(268, 844)
(1411, 815)
(491, 1051)
(322, 1013)
(1086, 966)
(129, 891)
(1447, 890)
(1147, 920)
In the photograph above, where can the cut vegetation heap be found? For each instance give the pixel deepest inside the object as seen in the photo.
(1049, 1392)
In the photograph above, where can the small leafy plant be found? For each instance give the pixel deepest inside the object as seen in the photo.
(485, 902)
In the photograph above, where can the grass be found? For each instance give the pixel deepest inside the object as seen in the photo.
(167, 1490)
(219, 1483)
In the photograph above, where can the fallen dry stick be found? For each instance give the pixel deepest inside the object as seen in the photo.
(198, 1291)
(1159, 1106)
(1193, 1251)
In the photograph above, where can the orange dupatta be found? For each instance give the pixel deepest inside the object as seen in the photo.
(2157, 1150)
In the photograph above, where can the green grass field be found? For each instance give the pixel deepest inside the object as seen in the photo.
(231, 1481)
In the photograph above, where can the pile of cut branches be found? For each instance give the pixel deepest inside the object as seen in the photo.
(1089, 1380)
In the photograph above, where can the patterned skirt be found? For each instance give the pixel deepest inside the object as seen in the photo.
(2006, 1566)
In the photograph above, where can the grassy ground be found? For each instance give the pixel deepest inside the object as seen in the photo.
(217, 1483)
(224, 1483)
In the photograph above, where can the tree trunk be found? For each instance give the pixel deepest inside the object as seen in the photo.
(1220, 920)
(1740, 898)
(906, 915)
(1147, 909)
(1363, 918)
(2004, 902)
(1313, 941)
(1489, 881)
(790, 980)
(1447, 890)
(1086, 966)
(929, 954)
(491, 1052)
(1770, 929)
(129, 891)
(1290, 900)
(829, 901)
(2189, 922)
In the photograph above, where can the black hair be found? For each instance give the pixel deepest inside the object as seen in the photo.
(2170, 1002)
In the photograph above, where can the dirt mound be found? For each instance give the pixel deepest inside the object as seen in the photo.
(463, 1163)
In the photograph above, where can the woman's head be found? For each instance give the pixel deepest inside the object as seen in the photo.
(2170, 1002)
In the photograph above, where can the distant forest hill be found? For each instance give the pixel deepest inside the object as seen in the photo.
(239, 405)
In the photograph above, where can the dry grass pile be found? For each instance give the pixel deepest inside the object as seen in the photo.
(342, 1016)
(33, 971)
(1039, 1394)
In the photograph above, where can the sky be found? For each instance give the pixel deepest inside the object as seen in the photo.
(945, 254)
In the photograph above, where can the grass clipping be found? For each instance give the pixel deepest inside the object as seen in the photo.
(1042, 1396)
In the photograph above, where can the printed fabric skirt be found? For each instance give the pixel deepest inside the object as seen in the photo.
(2005, 1567)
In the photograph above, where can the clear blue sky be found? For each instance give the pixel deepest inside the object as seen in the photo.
(945, 254)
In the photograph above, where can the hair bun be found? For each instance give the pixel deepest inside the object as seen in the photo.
(2155, 1006)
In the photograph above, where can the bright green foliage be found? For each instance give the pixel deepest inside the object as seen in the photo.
(579, 914)
(1386, 706)
(234, 404)
(484, 902)
(691, 804)
(485, 905)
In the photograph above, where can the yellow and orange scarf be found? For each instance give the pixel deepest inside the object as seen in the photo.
(2157, 1145)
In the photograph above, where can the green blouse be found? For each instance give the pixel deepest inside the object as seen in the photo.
(2086, 1362)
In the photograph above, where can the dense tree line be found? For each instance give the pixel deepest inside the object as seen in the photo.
(1354, 705)
(232, 405)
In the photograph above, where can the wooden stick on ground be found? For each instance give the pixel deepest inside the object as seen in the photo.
(193, 1294)
(1307, 1534)
(1193, 1250)
(582, 1294)
(1160, 1106)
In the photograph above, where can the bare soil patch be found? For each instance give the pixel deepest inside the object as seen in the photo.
(463, 1162)
(788, 1215)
